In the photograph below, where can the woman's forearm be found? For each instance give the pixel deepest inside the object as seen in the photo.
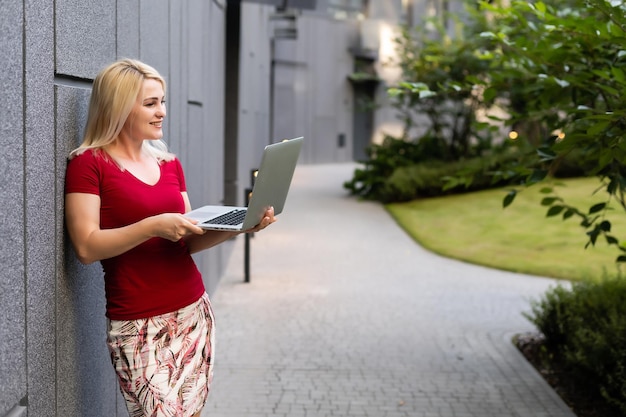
(210, 238)
(107, 243)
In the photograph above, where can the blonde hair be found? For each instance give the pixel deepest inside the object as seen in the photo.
(113, 95)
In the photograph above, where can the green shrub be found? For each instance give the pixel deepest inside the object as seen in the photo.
(585, 327)
(552, 316)
(401, 170)
(435, 177)
(369, 182)
(420, 180)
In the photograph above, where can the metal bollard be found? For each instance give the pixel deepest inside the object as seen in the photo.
(248, 236)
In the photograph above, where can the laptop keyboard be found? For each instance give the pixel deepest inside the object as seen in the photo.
(231, 218)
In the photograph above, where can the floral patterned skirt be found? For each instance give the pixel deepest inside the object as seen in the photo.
(164, 364)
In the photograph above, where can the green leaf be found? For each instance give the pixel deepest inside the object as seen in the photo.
(424, 94)
(614, 30)
(605, 226)
(618, 74)
(546, 154)
(593, 236)
(536, 176)
(612, 187)
(602, 74)
(609, 89)
(568, 213)
(597, 207)
(554, 211)
(490, 93)
(597, 128)
(540, 6)
(508, 199)
(406, 85)
(490, 35)
(449, 183)
(561, 83)
(605, 158)
(547, 201)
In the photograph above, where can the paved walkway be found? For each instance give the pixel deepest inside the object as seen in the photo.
(346, 316)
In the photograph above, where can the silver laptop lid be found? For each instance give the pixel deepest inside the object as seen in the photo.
(273, 180)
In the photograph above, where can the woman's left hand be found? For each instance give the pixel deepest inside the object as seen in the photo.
(268, 219)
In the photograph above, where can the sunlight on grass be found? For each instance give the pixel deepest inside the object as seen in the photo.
(475, 228)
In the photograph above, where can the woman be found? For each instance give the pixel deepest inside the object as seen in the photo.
(124, 206)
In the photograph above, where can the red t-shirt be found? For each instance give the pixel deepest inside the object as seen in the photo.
(158, 276)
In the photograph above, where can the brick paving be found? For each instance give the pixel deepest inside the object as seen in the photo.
(346, 316)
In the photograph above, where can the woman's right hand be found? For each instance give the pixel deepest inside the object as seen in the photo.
(174, 226)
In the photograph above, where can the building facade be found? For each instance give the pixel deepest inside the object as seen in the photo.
(240, 75)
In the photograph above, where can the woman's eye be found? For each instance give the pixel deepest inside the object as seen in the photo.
(154, 103)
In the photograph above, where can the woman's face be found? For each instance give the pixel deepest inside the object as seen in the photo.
(146, 118)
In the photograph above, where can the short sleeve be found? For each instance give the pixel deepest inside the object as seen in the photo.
(181, 175)
(83, 174)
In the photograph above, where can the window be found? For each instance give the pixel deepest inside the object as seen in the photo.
(347, 9)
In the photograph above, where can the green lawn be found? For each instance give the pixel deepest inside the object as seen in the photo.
(475, 228)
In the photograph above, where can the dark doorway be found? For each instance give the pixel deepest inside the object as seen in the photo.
(363, 118)
(231, 101)
(364, 82)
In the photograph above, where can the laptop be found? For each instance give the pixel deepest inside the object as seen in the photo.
(270, 189)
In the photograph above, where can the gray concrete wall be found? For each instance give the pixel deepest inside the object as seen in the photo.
(254, 90)
(12, 284)
(313, 97)
(53, 358)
